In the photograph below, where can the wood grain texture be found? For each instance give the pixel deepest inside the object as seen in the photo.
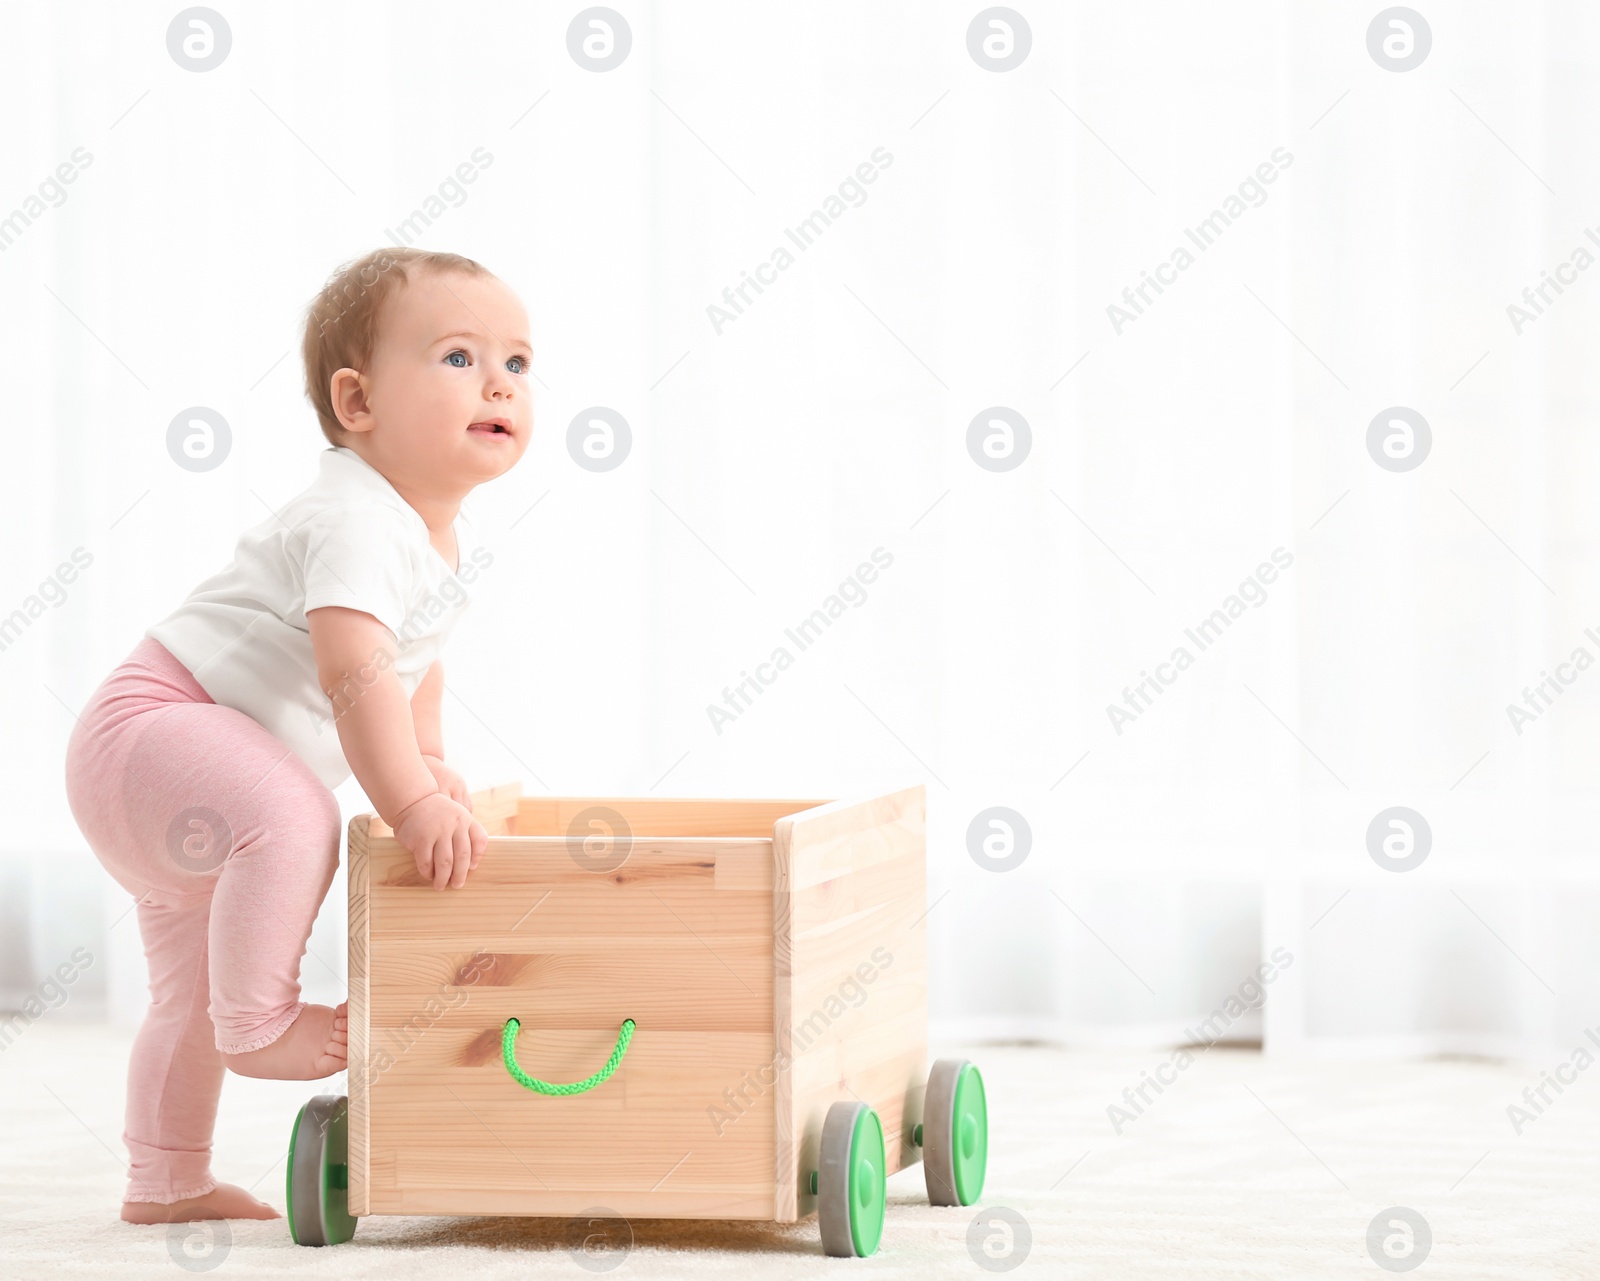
(678, 936)
(850, 978)
(729, 928)
(657, 816)
(357, 1127)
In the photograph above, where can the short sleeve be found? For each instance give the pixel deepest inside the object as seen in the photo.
(358, 558)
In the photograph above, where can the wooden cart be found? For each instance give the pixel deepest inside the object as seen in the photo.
(754, 969)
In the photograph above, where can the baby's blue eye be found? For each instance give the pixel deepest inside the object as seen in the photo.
(451, 357)
(522, 365)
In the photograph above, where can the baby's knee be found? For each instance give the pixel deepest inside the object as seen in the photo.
(295, 821)
(303, 803)
(318, 811)
(326, 814)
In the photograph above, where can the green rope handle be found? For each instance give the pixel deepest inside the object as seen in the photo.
(508, 1043)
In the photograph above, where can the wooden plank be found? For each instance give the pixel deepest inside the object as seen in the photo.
(652, 1205)
(628, 921)
(559, 987)
(744, 868)
(692, 1068)
(643, 946)
(849, 897)
(531, 889)
(685, 1073)
(658, 816)
(559, 981)
(508, 1170)
(357, 1127)
(556, 860)
(456, 1121)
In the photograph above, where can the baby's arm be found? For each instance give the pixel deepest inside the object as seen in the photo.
(425, 712)
(355, 667)
(425, 715)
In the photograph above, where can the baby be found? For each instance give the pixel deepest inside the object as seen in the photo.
(200, 772)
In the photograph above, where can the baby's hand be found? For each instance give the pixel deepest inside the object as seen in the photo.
(443, 837)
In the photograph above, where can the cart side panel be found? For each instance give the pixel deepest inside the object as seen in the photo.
(678, 937)
(357, 1129)
(657, 816)
(850, 973)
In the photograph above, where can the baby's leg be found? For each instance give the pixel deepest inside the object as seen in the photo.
(283, 852)
(175, 1076)
(135, 760)
(175, 1071)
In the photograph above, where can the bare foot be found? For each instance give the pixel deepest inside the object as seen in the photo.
(225, 1201)
(315, 1045)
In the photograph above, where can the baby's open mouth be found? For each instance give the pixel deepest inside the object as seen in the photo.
(494, 427)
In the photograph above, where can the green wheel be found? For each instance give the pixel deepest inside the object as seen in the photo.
(318, 1176)
(851, 1183)
(955, 1133)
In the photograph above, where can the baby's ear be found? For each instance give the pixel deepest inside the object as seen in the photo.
(348, 392)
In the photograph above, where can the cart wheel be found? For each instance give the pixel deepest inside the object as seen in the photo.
(850, 1184)
(955, 1133)
(318, 1178)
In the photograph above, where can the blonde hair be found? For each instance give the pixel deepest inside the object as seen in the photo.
(342, 321)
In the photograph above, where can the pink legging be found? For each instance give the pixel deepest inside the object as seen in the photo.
(229, 842)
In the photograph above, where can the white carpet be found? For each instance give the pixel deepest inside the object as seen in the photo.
(1244, 1167)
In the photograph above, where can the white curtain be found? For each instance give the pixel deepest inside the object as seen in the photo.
(1210, 831)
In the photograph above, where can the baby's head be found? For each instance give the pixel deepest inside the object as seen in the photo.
(408, 354)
